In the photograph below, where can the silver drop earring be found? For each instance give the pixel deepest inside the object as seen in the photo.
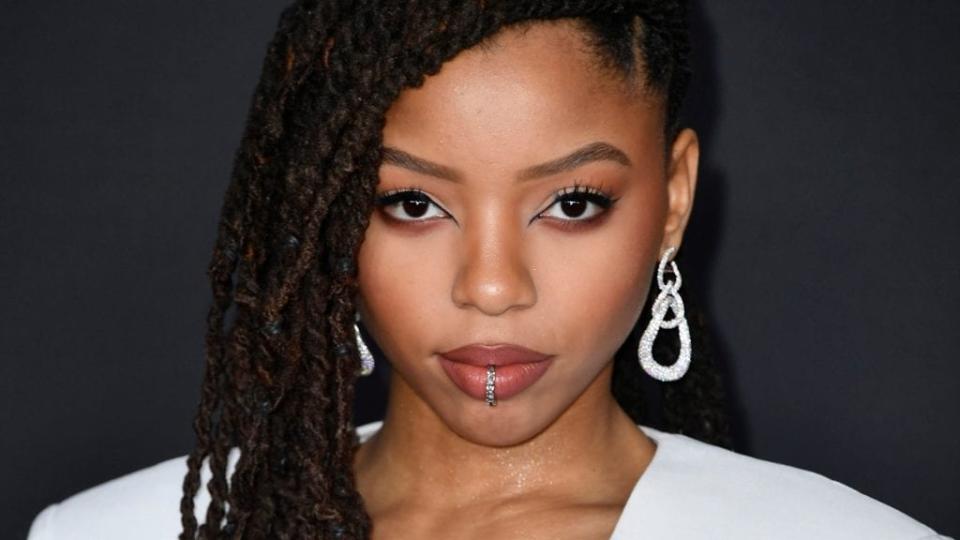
(366, 358)
(491, 383)
(668, 299)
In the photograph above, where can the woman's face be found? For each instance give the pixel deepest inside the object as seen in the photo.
(488, 256)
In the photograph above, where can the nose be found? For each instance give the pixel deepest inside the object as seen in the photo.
(493, 276)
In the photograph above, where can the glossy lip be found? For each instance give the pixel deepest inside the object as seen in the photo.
(517, 368)
(500, 354)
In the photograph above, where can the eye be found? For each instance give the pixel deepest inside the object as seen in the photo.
(579, 203)
(409, 204)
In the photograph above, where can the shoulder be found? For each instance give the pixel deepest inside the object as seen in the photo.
(697, 490)
(146, 501)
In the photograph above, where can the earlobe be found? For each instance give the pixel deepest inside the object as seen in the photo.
(681, 186)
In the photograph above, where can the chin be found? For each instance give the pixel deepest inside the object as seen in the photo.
(509, 423)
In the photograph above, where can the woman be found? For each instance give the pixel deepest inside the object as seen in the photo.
(492, 193)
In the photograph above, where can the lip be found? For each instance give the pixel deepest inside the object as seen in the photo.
(517, 368)
(500, 354)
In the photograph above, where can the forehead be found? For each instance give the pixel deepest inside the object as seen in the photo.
(523, 89)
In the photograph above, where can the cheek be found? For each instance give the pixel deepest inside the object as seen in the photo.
(595, 285)
(399, 276)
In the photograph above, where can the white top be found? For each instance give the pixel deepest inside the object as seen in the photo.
(690, 490)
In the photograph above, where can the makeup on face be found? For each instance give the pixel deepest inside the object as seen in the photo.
(512, 213)
(575, 207)
(516, 368)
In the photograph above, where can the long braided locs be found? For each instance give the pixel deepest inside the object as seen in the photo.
(278, 383)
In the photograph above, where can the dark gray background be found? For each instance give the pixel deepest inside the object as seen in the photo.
(823, 243)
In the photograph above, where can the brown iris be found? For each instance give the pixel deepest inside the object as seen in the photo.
(573, 207)
(415, 207)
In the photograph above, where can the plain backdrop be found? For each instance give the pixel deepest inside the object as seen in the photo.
(823, 243)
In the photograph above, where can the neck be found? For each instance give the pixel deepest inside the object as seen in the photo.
(415, 456)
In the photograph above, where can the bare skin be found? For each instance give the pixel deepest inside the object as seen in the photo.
(492, 261)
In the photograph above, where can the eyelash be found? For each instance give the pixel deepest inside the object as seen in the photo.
(596, 195)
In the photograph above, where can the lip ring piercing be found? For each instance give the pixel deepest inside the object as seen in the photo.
(491, 384)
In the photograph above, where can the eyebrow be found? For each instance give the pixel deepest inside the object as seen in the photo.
(596, 151)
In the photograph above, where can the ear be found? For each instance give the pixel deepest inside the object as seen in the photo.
(681, 186)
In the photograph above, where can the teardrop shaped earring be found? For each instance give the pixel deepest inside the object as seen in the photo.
(366, 358)
(667, 299)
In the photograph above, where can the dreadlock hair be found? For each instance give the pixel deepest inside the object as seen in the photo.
(279, 376)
